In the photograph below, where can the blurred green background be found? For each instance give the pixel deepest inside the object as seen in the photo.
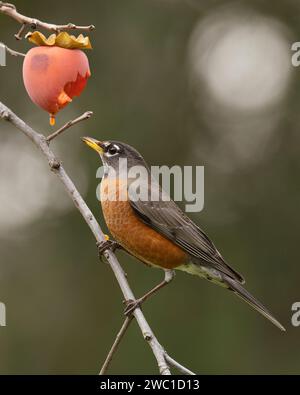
(185, 82)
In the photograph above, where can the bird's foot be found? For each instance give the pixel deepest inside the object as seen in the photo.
(131, 305)
(105, 245)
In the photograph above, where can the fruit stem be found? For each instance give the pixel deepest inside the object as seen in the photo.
(52, 119)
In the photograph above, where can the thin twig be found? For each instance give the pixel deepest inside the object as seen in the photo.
(115, 345)
(11, 11)
(178, 366)
(40, 142)
(21, 31)
(82, 117)
(12, 52)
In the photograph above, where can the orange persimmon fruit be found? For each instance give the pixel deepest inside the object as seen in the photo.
(53, 75)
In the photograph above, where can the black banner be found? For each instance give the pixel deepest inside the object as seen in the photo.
(131, 384)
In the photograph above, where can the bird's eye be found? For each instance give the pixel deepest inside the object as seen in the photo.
(112, 150)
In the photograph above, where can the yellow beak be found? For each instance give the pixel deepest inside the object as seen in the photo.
(93, 143)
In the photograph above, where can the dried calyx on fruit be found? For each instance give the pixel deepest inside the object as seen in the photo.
(56, 70)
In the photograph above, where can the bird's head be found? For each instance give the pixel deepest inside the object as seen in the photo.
(112, 153)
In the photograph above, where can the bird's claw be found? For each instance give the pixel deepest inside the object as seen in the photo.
(130, 306)
(106, 245)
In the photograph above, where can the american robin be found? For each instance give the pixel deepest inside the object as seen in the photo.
(151, 227)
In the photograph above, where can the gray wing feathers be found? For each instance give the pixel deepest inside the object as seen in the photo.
(166, 218)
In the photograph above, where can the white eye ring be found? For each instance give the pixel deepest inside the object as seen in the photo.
(115, 150)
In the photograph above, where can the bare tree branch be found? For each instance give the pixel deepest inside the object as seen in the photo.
(41, 143)
(12, 52)
(21, 31)
(178, 366)
(11, 11)
(115, 345)
(82, 117)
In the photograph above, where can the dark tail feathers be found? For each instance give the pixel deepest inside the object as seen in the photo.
(247, 297)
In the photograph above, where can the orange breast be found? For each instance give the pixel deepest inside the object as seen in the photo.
(139, 239)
